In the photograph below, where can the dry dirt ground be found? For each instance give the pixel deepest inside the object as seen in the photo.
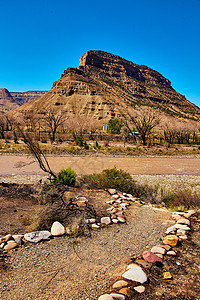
(85, 267)
(23, 164)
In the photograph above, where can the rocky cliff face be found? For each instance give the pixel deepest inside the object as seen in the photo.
(12, 100)
(6, 101)
(21, 98)
(105, 85)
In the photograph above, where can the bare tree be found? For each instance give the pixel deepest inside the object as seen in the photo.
(144, 120)
(2, 126)
(53, 121)
(77, 126)
(35, 150)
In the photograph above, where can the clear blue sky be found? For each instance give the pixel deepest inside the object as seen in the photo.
(41, 38)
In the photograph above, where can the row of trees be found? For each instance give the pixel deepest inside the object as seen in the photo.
(138, 123)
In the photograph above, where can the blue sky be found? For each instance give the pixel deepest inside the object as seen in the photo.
(41, 38)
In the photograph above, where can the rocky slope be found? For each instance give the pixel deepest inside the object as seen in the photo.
(6, 101)
(105, 85)
(12, 100)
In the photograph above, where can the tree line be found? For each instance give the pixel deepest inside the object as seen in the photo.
(141, 125)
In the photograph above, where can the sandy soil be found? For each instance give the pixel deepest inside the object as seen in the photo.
(23, 164)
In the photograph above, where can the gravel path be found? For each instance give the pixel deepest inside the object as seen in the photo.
(82, 268)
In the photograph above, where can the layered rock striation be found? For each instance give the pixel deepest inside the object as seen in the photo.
(12, 100)
(105, 86)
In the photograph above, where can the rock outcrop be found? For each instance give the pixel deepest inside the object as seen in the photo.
(105, 86)
(6, 101)
(12, 100)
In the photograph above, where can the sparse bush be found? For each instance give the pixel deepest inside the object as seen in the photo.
(113, 178)
(66, 177)
(79, 141)
(186, 199)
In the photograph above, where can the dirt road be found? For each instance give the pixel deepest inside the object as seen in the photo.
(23, 164)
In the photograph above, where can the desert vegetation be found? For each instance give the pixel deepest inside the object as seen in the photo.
(145, 132)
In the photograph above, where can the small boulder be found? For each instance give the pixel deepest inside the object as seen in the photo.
(135, 274)
(120, 284)
(157, 249)
(126, 291)
(10, 245)
(37, 236)
(170, 240)
(184, 221)
(95, 226)
(112, 191)
(105, 220)
(57, 229)
(151, 257)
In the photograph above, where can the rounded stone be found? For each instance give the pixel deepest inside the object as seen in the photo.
(126, 291)
(120, 284)
(184, 221)
(139, 288)
(170, 240)
(57, 229)
(151, 257)
(10, 245)
(105, 220)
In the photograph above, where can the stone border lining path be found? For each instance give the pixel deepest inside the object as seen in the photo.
(134, 277)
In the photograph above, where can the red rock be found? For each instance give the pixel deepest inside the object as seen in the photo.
(151, 257)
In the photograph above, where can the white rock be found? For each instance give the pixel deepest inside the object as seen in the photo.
(120, 284)
(112, 191)
(139, 288)
(37, 236)
(105, 220)
(57, 229)
(171, 252)
(181, 226)
(115, 221)
(10, 245)
(170, 229)
(184, 221)
(157, 249)
(95, 226)
(135, 274)
(183, 237)
(115, 196)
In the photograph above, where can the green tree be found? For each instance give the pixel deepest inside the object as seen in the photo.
(115, 125)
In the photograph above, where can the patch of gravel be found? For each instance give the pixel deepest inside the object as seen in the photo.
(82, 268)
(169, 182)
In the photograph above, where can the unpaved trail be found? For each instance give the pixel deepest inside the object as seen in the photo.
(23, 164)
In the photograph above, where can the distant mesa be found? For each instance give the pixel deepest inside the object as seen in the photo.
(105, 86)
(12, 100)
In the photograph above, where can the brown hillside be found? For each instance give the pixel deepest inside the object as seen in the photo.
(105, 85)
